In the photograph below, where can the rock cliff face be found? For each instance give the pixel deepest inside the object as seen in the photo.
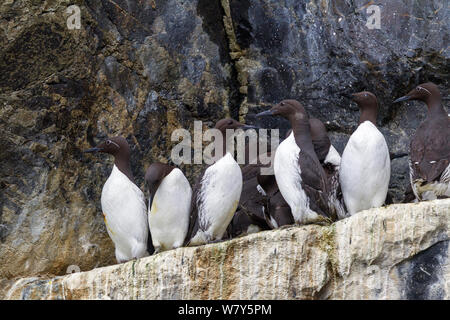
(144, 68)
(398, 252)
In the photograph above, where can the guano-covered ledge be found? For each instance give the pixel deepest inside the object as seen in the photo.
(397, 252)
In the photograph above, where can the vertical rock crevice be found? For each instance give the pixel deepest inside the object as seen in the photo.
(235, 53)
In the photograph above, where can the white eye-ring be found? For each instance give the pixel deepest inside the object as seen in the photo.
(108, 142)
(422, 88)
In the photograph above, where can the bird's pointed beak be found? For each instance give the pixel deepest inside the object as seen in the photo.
(92, 150)
(404, 98)
(397, 155)
(347, 95)
(265, 113)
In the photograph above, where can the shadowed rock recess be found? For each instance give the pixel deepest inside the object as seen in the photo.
(398, 252)
(144, 68)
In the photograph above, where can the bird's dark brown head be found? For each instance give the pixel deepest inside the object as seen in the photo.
(154, 175)
(426, 92)
(119, 148)
(114, 146)
(229, 123)
(368, 105)
(365, 99)
(288, 109)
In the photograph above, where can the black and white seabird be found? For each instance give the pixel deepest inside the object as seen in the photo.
(123, 203)
(365, 165)
(169, 205)
(277, 210)
(298, 172)
(216, 194)
(430, 146)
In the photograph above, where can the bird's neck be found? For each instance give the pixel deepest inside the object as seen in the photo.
(302, 135)
(369, 113)
(434, 104)
(122, 162)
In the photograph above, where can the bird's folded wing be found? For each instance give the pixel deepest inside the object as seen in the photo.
(430, 157)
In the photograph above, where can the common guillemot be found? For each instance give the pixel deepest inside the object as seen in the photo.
(169, 205)
(430, 146)
(365, 165)
(123, 203)
(277, 211)
(216, 194)
(298, 172)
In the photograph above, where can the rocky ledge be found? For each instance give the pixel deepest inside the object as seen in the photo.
(397, 252)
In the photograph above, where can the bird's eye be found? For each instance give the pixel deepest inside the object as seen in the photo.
(418, 88)
(282, 103)
(108, 142)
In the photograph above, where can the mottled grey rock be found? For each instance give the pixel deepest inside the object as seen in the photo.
(314, 51)
(137, 69)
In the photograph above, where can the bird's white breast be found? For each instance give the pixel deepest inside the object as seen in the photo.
(287, 174)
(445, 176)
(220, 194)
(168, 216)
(333, 157)
(365, 169)
(125, 213)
